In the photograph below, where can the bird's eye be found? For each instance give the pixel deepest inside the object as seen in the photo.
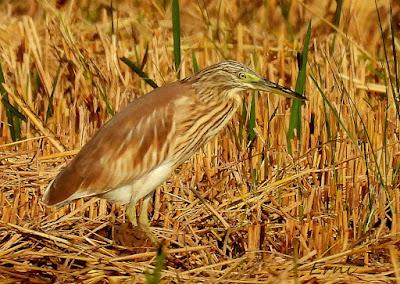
(242, 75)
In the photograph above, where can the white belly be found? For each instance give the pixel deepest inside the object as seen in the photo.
(139, 188)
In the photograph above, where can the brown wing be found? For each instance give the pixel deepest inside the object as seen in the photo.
(123, 149)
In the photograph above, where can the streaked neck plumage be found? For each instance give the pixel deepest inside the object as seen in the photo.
(216, 108)
(213, 94)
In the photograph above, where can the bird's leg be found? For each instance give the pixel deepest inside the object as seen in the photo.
(144, 223)
(131, 212)
(143, 217)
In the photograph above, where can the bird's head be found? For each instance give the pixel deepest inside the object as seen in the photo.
(230, 77)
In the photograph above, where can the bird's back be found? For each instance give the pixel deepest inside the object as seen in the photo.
(132, 143)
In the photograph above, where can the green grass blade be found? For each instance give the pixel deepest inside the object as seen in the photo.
(295, 114)
(155, 276)
(14, 124)
(252, 120)
(336, 21)
(14, 116)
(13, 110)
(103, 95)
(176, 32)
(395, 85)
(396, 67)
(195, 63)
(140, 72)
(113, 29)
(241, 124)
(50, 110)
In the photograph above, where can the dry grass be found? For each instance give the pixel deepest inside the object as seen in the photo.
(330, 212)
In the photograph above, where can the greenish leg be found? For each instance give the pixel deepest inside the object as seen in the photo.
(144, 223)
(131, 212)
(143, 217)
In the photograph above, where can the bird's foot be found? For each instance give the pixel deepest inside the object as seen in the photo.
(142, 229)
(149, 234)
(144, 226)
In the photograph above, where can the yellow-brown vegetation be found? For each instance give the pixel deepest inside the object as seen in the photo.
(329, 212)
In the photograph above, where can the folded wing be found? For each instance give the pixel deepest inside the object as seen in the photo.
(132, 143)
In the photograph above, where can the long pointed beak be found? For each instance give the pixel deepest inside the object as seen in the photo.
(268, 86)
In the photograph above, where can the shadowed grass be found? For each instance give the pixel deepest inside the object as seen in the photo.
(176, 32)
(50, 108)
(285, 10)
(336, 21)
(252, 121)
(195, 64)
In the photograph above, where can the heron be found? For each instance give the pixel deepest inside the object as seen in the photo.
(140, 146)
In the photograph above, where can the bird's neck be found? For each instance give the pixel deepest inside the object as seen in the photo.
(213, 112)
(224, 106)
(218, 97)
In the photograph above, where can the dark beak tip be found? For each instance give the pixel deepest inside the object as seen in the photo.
(289, 92)
(301, 98)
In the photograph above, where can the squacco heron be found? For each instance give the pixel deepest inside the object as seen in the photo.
(136, 151)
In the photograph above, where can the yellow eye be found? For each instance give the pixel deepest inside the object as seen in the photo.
(242, 75)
